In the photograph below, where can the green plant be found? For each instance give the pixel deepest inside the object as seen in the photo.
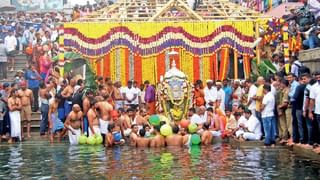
(264, 69)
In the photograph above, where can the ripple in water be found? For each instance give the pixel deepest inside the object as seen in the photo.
(87, 162)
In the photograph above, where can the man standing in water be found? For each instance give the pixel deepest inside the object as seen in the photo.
(175, 139)
(55, 124)
(14, 104)
(104, 109)
(26, 102)
(142, 141)
(86, 107)
(158, 140)
(93, 118)
(206, 137)
(134, 135)
(74, 123)
(67, 93)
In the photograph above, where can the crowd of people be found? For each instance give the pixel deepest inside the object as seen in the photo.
(305, 20)
(278, 106)
(284, 106)
(35, 34)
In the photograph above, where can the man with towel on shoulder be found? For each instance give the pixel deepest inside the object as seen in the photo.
(210, 94)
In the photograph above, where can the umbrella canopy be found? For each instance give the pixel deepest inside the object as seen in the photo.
(7, 8)
(283, 9)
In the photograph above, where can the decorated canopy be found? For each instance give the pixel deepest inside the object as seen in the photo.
(132, 35)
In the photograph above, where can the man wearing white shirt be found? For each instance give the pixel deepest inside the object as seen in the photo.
(241, 121)
(210, 94)
(194, 117)
(10, 43)
(267, 114)
(220, 95)
(130, 95)
(137, 101)
(252, 128)
(252, 93)
(315, 101)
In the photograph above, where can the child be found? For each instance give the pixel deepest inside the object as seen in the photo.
(147, 129)
(114, 136)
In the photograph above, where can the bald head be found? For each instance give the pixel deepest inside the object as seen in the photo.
(201, 110)
(260, 80)
(76, 108)
(72, 82)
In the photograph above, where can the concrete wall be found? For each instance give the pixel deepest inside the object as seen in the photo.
(311, 58)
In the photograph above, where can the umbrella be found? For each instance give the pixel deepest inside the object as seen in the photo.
(283, 9)
(7, 8)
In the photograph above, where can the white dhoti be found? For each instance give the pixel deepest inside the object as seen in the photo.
(251, 136)
(15, 123)
(239, 133)
(127, 132)
(103, 126)
(96, 130)
(118, 104)
(74, 138)
(216, 133)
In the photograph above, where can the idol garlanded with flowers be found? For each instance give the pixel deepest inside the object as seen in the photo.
(174, 94)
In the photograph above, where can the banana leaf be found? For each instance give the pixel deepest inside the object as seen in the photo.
(69, 56)
(74, 61)
(264, 69)
(268, 64)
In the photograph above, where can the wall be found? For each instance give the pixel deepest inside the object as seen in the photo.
(311, 58)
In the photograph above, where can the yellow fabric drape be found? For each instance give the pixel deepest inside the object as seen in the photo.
(148, 71)
(186, 64)
(113, 65)
(206, 67)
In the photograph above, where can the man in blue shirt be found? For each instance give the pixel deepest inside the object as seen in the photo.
(228, 92)
(33, 78)
(293, 86)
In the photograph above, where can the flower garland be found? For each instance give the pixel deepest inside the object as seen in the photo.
(199, 38)
(286, 47)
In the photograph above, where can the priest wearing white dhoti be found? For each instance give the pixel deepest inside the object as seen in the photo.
(15, 106)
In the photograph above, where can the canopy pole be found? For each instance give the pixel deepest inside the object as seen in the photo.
(257, 35)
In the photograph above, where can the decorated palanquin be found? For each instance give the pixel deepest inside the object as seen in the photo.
(174, 94)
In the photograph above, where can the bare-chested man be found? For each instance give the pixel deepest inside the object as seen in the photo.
(93, 118)
(158, 140)
(86, 107)
(110, 91)
(141, 119)
(175, 139)
(26, 97)
(142, 141)
(124, 121)
(44, 99)
(206, 136)
(134, 135)
(67, 93)
(74, 124)
(55, 124)
(104, 111)
(14, 104)
(117, 96)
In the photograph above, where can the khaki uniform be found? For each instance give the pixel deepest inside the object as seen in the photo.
(285, 119)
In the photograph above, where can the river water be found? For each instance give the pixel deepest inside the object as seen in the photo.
(220, 161)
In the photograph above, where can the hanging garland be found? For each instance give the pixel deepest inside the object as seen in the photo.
(198, 38)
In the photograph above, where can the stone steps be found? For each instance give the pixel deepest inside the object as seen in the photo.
(35, 121)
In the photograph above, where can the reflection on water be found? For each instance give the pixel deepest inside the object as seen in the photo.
(218, 161)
